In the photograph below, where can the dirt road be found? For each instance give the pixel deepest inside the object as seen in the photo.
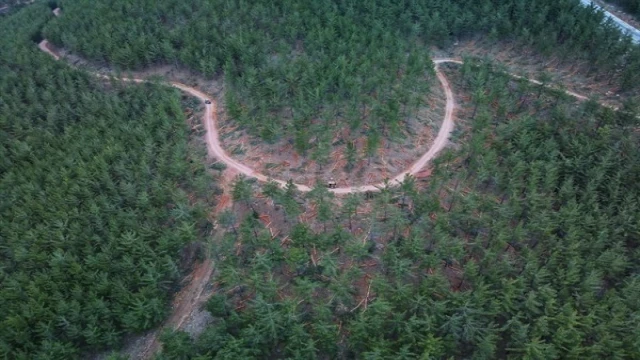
(215, 148)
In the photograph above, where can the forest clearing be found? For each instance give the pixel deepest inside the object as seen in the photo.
(344, 181)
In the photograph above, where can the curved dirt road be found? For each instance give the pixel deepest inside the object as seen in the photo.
(215, 148)
(213, 140)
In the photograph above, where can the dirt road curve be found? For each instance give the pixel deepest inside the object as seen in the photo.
(215, 149)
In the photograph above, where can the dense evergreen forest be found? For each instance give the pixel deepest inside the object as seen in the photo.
(98, 195)
(523, 245)
(302, 69)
